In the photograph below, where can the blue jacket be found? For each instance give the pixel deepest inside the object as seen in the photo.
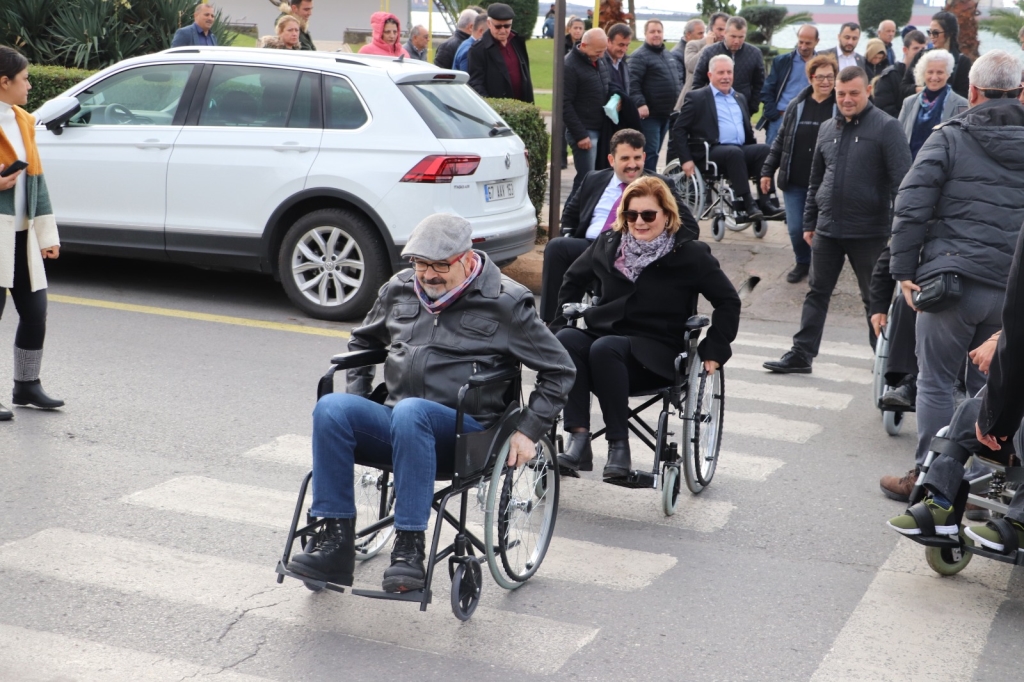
(774, 84)
(191, 35)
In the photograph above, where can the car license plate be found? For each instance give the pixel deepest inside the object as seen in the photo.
(498, 191)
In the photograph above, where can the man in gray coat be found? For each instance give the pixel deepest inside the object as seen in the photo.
(959, 211)
(449, 316)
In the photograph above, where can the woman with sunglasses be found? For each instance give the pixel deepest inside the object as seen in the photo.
(650, 273)
(944, 34)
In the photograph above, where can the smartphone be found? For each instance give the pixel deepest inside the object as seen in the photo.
(13, 168)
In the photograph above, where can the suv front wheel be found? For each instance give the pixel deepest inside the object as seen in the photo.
(332, 263)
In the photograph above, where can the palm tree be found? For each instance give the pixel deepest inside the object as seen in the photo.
(1005, 22)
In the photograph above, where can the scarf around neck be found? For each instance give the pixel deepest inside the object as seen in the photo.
(635, 255)
(433, 307)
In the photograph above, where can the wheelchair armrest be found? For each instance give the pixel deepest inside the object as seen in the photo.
(565, 231)
(697, 322)
(494, 375)
(574, 311)
(360, 358)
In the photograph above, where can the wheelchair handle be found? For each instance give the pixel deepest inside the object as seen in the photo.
(574, 311)
(360, 358)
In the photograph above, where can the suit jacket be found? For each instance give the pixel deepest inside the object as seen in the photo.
(189, 35)
(858, 57)
(698, 120)
(488, 74)
(579, 210)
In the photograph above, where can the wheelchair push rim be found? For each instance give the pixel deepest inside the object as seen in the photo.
(370, 485)
(704, 415)
(690, 190)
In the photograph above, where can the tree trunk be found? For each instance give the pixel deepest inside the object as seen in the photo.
(965, 11)
(632, 16)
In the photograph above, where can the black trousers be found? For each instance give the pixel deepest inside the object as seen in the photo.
(559, 254)
(902, 331)
(31, 305)
(827, 258)
(739, 164)
(606, 368)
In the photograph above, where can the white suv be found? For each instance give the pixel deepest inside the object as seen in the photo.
(312, 167)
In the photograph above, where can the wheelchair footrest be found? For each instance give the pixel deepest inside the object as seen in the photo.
(418, 596)
(1017, 558)
(636, 479)
(320, 584)
(944, 541)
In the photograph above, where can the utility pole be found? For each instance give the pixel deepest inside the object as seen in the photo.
(557, 137)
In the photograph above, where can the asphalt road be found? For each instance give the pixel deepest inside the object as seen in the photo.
(140, 525)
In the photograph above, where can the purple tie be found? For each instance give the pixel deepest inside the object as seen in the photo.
(613, 214)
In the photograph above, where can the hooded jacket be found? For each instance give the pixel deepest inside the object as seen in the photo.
(377, 45)
(961, 206)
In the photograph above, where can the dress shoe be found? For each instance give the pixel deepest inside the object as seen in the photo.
(333, 558)
(32, 393)
(578, 455)
(770, 210)
(5, 414)
(618, 459)
(792, 362)
(798, 272)
(747, 210)
(406, 571)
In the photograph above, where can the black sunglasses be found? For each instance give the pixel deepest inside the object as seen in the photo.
(501, 27)
(935, 34)
(648, 216)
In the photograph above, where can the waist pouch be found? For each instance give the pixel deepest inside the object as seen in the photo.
(939, 292)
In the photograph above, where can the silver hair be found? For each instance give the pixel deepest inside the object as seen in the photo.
(417, 30)
(479, 23)
(691, 26)
(719, 58)
(932, 56)
(466, 19)
(996, 70)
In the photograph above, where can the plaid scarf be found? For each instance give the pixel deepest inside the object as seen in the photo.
(434, 307)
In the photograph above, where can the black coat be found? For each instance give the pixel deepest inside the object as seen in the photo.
(488, 74)
(653, 311)
(445, 55)
(781, 154)
(748, 70)
(655, 79)
(586, 92)
(698, 120)
(629, 117)
(579, 210)
(1003, 405)
(888, 94)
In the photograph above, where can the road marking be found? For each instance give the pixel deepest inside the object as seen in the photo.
(493, 636)
(840, 348)
(769, 426)
(746, 467)
(900, 629)
(200, 496)
(202, 317)
(287, 449)
(800, 396)
(829, 371)
(35, 656)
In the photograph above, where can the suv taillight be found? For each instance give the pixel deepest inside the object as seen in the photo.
(439, 168)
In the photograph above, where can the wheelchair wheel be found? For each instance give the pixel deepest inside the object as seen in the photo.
(946, 561)
(467, 582)
(760, 228)
(718, 227)
(370, 485)
(893, 422)
(690, 190)
(703, 417)
(670, 489)
(519, 518)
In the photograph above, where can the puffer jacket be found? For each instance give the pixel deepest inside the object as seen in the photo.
(493, 323)
(857, 169)
(586, 91)
(781, 153)
(961, 206)
(655, 79)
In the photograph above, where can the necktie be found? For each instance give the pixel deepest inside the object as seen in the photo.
(614, 213)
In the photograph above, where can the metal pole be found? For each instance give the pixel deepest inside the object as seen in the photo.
(557, 138)
(430, 31)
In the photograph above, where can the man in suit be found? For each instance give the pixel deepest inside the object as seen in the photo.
(845, 54)
(499, 65)
(719, 116)
(197, 33)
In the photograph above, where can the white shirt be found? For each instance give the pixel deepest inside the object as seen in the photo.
(845, 61)
(604, 207)
(9, 126)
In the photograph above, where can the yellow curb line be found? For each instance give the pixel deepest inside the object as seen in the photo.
(202, 317)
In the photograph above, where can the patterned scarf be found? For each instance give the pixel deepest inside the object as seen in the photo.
(931, 104)
(434, 307)
(635, 255)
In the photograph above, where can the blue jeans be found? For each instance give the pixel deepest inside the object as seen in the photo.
(583, 159)
(655, 130)
(796, 199)
(771, 131)
(412, 437)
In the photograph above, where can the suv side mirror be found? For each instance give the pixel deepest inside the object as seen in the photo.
(57, 112)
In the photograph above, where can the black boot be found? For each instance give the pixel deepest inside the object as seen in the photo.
(749, 212)
(333, 559)
(793, 362)
(578, 456)
(406, 571)
(5, 414)
(618, 459)
(32, 393)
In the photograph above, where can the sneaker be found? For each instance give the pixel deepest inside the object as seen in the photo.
(907, 524)
(898, 488)
(333, 558)
(798, 273)
(406, 571)
(989, 537)
(903, 395)
(792, 362)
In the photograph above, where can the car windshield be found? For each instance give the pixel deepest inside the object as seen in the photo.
(453, 111)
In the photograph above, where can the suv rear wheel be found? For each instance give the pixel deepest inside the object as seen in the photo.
(332, 262)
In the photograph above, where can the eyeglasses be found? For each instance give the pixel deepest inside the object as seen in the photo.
(935, 34)
(440, 267)
(501, 27)
(648, 216)
(824, 79)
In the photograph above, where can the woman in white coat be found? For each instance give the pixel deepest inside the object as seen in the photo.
(936, 101)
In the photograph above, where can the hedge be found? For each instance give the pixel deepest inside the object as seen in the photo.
(527, 122)
(49, 81)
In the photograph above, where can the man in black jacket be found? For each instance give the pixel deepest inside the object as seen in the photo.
(586, 91)
(719, 116)
(654, 84)
(888, 91)
(445, 56)
(859, 161)
(499, 65)
(748, 63)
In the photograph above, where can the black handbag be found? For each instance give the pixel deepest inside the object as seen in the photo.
(939, 292)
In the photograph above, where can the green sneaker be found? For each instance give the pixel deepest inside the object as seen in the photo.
(907, 524)
(989, 537)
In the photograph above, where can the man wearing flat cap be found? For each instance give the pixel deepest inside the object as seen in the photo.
(498, 63)
(448, 316)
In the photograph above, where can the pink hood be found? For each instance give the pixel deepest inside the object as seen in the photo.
(378, 46)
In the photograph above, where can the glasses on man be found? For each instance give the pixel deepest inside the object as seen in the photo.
(648, 216)
(935, 34)
(440, 267)
(824, 79)
(502, 27)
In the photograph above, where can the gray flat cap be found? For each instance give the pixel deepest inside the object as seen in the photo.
(500, 11)
(439, 237)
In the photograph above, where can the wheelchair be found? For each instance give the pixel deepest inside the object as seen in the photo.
(948, 555)
(892, 417)
(688, 434)
(519, 505)
(708, 194)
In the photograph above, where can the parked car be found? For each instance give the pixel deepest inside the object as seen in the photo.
(312, 167)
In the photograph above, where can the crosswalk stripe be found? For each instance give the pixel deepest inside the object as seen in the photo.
(495, 636)
(733, 465)
(840, 348)
(701, 514)
(829, 371)
(769, 426)
(287, 449)
(36, 656)
(896, 632)
(800, 396)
